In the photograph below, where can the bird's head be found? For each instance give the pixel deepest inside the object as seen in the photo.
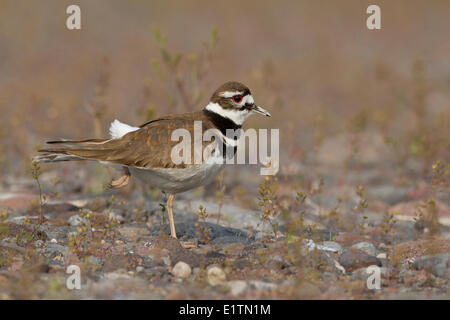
(233, 100)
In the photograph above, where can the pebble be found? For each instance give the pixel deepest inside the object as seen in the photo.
(39, 244)
(139, 269)
(330, 246)
(182, 270)
(237, 287)
(352, 259)
(261, 285)
(438, 264)
(361, 274)
(216, 276)
(76, 220)
(382, 255)
(117, 275)
(367, 247)
(115, 216)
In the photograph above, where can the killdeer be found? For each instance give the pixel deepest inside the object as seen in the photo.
(146, 151)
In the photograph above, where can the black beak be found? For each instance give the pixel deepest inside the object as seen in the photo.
(260, 110)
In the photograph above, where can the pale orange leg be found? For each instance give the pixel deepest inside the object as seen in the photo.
(171, 222)
(173, 234)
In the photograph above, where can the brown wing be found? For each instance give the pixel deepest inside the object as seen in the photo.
(148, 147)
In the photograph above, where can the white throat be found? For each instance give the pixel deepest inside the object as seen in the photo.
(237, 116)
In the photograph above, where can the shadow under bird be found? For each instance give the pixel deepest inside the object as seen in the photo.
(145, 151)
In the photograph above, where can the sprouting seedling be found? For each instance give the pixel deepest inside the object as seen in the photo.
(440, 172)
(36, 171)
(362, 204)
(301, 197)
(268, 203)
(203, 229)
(388, 222)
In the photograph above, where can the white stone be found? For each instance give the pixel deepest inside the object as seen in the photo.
(381, 255)
(261, 285)
(117, 275)
(367, 247)
(76, 220)
(329, 246)
(237, 287)
(216, 276)
(182, 270)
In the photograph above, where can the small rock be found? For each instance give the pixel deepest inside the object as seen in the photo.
(39, 244)
(21, 220)
(237, 287)
(438, 264)
(53, 241)
(367, 247)
(276, 262)
(330, 246)
(134, 232)
(139, 269)
(216, 276)
(261, 285)
(361, 274)
(115, 216)
(352, 259)
(382, 256)
(387, 193)
(55, 248)
(117, 275)
(94, 260)
(181, 270)
(76, 220)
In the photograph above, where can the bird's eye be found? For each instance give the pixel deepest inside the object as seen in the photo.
(237, 98)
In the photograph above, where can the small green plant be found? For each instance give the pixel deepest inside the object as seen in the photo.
(440, 173)
(36, 171)
(3, 215)
(355, 126)
(427, 211)
(203, 230)
(388, 222)
(268, 203)
(361, 207)
(93, 231)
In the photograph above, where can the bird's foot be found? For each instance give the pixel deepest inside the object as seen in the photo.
(120, 182)
(188, 244)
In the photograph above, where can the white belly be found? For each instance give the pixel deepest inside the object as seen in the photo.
(178, 180)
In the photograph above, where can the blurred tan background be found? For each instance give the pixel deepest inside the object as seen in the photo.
(313, 64)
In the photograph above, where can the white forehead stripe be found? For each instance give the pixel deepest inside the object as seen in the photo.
(248, 99)
(229, 94)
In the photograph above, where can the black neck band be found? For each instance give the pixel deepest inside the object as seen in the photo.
(221, 122)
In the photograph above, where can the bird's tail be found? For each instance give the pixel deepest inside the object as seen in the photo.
(66, 150)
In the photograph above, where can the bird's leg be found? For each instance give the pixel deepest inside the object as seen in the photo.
(171, 222)
(184, 244)
(122, 181)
